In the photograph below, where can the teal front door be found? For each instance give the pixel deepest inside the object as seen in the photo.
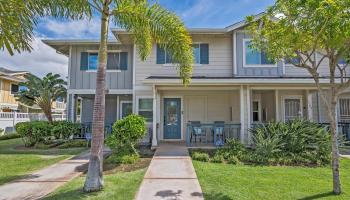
(172, 118)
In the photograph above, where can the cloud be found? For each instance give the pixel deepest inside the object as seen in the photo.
(42, 60)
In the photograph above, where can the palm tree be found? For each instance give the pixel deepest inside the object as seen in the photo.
(42, 92)
(147, 22)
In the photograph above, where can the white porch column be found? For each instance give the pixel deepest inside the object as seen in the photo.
(309, 105)
(242, 113)
(277, 101)
(154, 130)
(71, 107)
(249, 105)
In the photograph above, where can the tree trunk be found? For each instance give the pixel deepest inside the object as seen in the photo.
(94, 178)
(335, 150)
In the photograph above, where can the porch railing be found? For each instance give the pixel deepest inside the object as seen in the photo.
(211, 134)
(86, 131)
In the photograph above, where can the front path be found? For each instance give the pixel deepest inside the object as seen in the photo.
(45, 181)
(170, 176)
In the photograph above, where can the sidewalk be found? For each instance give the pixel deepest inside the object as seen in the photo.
(170, 176)
(45, 181)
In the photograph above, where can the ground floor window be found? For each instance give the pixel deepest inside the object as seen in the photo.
(126, 108)
(146, 108)
(292, 108)
(344, 109)
(256, 111)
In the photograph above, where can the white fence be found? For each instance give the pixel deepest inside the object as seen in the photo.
(8, 120)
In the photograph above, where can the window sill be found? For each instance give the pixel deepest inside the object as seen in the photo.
(109, 70)
(174, 65)
(259, 66)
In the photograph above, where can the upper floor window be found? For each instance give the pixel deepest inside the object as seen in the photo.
(343, 61)
(255, 58)
(115, 61)
(292, 61)
(200, 53)
(14, 89)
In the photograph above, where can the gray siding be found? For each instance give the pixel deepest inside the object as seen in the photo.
(253, 71)
(87, 80)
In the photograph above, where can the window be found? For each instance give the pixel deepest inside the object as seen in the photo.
(14, 89)
(115, 61)
(146, 109)
(93, 61)
(344, 110)
(254, 58)
(292, 108)
(291, 61)
(126, 108)
(343, 61)
(256, 111)
(200, 52)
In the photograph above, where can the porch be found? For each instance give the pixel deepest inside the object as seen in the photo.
(208, 116)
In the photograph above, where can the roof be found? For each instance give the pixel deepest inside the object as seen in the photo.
(62, 45)
(12, 75)
(5, 71)
(198, 80)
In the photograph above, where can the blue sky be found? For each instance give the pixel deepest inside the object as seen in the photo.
(194, 13)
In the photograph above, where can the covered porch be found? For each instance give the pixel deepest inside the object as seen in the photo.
(206, 116)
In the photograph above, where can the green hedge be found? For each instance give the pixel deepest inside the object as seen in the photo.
(42, 131)
(126, 133)
(10, 136)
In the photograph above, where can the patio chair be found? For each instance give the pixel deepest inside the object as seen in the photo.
(219, 133)
(197, 131)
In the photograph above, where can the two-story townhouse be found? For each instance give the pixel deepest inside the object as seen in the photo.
(232, 87)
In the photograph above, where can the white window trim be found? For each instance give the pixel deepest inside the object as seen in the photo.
(245, 65)
(13, 94)
(137, 105)
(338, 105)
(107, 70)
(299, 97)
(259, 109)
(194, 64)
(121, 107)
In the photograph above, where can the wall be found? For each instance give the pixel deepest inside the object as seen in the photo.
(252, 71)
(87, 80)
(220, 60)
(6, 96)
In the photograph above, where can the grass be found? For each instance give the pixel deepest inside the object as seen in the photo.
(121, 182)
(17, 161)
(119, 186)
(225, 182)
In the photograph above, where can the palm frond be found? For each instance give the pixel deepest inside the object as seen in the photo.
(152, 23)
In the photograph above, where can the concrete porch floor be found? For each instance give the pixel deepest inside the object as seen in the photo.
(170, 175)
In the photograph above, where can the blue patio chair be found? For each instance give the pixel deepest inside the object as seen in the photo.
(219, 133)
(88, 137)
(197, 131)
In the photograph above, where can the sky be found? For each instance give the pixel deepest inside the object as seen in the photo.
(195, 14)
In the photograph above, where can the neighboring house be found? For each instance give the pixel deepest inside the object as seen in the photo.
(231, 84)
(9, 87)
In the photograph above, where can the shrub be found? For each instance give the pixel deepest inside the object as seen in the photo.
(73, 144)
(126, 133)
(123, 159)
(34, 132)
(233, 160)
(10, 136)
(204, 157)
(64, 129)
(298, 141)
(218, 158)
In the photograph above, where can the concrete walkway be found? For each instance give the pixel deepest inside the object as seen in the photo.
(45, 181)
(170, 176)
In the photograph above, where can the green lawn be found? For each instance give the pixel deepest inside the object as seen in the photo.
(224, 182)
(118, 186)
(17, 161)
